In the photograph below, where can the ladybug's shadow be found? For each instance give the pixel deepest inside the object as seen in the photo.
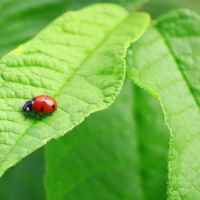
(35, 116)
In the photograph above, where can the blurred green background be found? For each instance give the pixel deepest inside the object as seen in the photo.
(18, 24)
(25, 180)
(157, 8)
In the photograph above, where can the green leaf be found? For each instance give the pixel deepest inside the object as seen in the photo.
(97, 157)
(21, 21)
(109, 148)
(78, 60)
(152, 138)
(165, 62)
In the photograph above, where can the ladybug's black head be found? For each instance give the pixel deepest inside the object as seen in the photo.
(27, 106)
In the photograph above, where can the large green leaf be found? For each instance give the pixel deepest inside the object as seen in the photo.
(21, 21)
(166, 62)
(93, 160)
(112, 154)
(79, 60)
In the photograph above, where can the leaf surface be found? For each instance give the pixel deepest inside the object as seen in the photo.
(166, 63)
(78, 60)
(97, 156)
(121, 144)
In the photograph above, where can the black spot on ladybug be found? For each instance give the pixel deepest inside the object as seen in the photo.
(53, 107)
(42, 108)
(33, 99)
(44, 100)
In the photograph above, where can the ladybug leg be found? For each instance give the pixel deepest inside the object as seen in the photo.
(51, 113)
(26, 116)
(41, 117)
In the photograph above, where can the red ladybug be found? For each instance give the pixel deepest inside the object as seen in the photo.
(40, 104)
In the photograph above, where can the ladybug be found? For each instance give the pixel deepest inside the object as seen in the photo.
(40, 104)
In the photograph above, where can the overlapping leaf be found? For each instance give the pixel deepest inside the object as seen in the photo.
(101, 155)
(118, 145)
(166, 62)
